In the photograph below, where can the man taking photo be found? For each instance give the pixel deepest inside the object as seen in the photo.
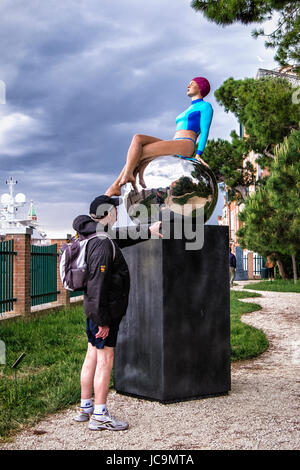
(105, 303)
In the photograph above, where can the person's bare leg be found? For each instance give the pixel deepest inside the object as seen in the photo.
(115, 188)
(163, 148)
(105, 359)
(144, 148)
(88, 372)
(134, 155)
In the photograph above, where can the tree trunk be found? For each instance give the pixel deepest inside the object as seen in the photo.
(281, 269)
(242, 190)
(295, 275)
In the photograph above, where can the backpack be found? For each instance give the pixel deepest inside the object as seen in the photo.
(73, 269)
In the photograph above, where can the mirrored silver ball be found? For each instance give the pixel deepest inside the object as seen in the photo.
(176, 184)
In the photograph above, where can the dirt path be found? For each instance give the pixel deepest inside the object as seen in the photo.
(261, 412)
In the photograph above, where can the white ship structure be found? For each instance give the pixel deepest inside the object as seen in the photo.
(13, 217)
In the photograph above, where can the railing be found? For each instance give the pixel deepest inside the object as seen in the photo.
(29, 277)
(258, 264)
(245, 263)
(76, 293)
(43, 274)
(6, 276)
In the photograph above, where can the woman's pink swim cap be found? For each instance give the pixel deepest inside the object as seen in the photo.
(203, 85)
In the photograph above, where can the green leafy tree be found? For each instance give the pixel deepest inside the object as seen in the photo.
(261, 228)
(226, 159)
(271, 217)
(286, 35)
(265, 108)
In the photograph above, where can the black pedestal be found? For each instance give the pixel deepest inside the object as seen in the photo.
(174, 342)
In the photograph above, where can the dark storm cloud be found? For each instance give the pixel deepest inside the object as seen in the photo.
(83, 77)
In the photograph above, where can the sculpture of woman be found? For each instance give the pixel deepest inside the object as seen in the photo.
(194, 121)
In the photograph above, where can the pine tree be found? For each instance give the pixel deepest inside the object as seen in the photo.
(283, 186)
(261, 228)
(286, 36)
(265, 108)
(271, 216)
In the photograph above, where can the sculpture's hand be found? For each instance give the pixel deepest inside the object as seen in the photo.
(140, 170)
(199, 159)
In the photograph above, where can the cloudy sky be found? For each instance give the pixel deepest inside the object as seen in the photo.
(83, 76)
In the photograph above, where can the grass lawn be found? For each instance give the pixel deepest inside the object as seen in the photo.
(246, 341)
(55, 345)
(279, 285)
(48, 378)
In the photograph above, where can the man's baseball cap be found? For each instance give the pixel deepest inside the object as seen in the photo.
(101, 205)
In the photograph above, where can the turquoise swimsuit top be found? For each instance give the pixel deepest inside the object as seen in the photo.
(196, 118)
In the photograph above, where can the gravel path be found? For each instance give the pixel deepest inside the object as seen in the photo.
(261, 411)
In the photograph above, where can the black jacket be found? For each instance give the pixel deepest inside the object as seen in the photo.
(232, 260)
(107, 290)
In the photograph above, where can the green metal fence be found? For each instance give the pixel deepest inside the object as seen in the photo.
(6, 276)
(43, 274)
(76, 293)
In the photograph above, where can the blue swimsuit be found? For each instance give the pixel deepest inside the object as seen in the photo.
(196, 118)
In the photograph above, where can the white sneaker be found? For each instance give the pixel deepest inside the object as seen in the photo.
(83, 415)
(106, 421)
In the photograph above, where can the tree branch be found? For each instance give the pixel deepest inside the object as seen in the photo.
(268, 154)
(285, 20)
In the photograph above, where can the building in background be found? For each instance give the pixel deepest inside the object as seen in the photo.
(249, 264)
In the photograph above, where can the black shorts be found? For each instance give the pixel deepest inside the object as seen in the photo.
(92, 330)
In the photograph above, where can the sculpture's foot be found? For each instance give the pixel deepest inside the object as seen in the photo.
(128, 178)
(114, 190)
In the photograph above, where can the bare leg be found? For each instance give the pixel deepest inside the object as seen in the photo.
(88, 372)
(105, 358)
(115, 188)
(144, 147)
(157, 149)
(134, 155)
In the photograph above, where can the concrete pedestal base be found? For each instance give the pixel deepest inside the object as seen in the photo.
(174, 342)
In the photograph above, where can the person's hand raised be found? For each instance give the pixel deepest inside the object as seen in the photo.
(154, 229)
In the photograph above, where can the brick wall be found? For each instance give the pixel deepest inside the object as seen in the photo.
(22, 275)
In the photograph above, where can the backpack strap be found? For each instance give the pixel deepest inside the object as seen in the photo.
(104, 235)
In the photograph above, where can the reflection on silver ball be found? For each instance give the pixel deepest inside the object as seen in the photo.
(177, 184)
